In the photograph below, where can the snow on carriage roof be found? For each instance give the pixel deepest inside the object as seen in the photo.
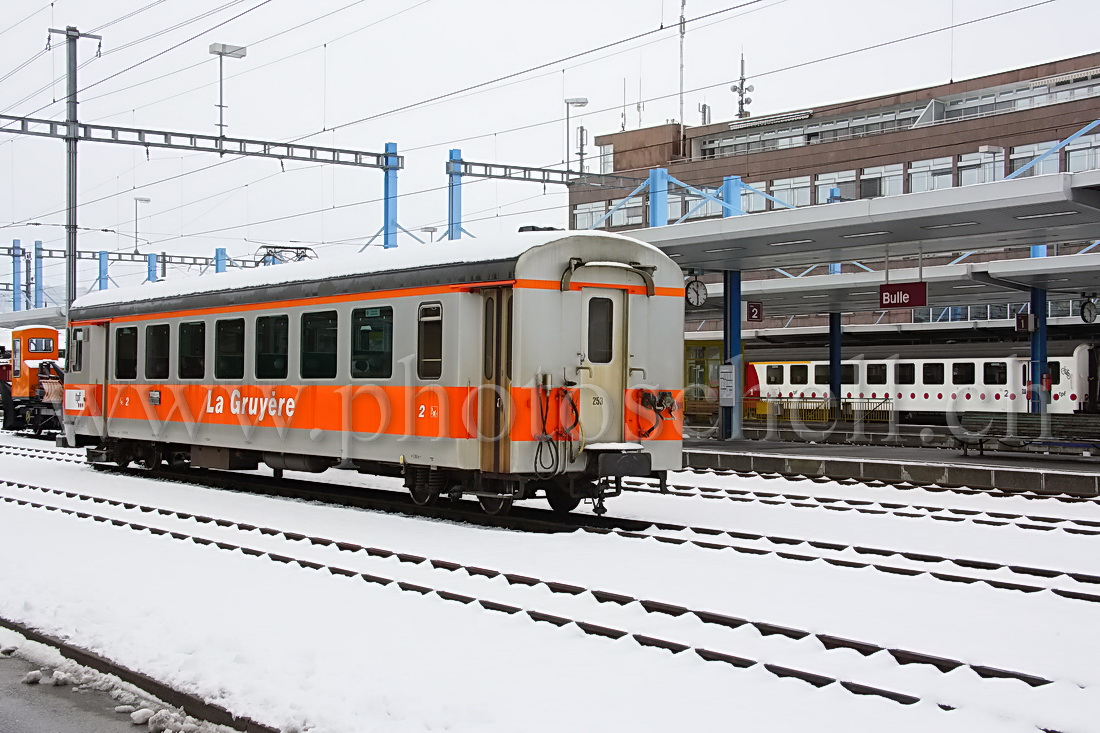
(375, 259)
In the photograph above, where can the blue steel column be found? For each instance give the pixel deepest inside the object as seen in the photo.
(39, 295)
(730, 425)
(658, 197)
(220, 260)
(1038, 367)
(836, 339)
(454, 194)
(102, 280)
(29, 283)
(16, 276)
(151, 265)
(389, 213)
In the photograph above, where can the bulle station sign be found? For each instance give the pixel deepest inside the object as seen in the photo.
(902, 295)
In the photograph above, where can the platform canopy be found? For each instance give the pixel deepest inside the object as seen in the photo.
(1001, 281)
(1052, 208)
(49, 316)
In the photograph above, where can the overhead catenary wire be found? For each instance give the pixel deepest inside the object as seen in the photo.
(774, 71)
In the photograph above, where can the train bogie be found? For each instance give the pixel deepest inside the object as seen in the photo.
(543, 364)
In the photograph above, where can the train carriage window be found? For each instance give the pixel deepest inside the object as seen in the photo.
(156, 351)
(508, 335)
(429, 341)
(774, 374)
(126, 353)
(487, 341)
(995, 372)
(905, 373)
(600, 329)
(372, 343)
(229, 349)
(849, 374)
(821, 374)
(16, 356)
(319, 336)
(192, 350)
(39, 345)
(77, 340)
(272, 346)
(800, 374)
(933, 373)
(1055, 369)
(876, 374)
(962, 373)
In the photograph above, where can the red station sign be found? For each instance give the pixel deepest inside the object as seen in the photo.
(903, 295)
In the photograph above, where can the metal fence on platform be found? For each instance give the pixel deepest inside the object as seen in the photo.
(803, 410)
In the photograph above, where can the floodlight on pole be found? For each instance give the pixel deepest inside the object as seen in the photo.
(430, 231)
(221, 50)
(569, 103)
(138, 200)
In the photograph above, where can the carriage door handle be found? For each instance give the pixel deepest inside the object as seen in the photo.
(586, 368)
(639, 369)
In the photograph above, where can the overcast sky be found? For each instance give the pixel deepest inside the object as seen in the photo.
(368, 58)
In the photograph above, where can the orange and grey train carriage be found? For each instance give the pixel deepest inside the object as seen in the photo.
(31, 381)
(543, 364)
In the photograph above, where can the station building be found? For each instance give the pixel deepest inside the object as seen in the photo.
(957, 134)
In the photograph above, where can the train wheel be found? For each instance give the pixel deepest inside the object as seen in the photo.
(149, 457)
(424, 495)
(496, 505)
(560, 500)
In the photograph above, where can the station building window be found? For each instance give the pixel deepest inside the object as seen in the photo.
(429, 341)
(157, 339)
(192, 350)
(272, 342)
(372, 343)
(980, 168)
(962, 373)
(905, 373)
(844, 181)
(586, 215)
(319, 337)
(995, 372)
(933, 373)
(751, 201)
(882, 180)
(229, 349)
(1023, 154)
(793, 191)
(930, 175)
(126, 353)
(1083, 154)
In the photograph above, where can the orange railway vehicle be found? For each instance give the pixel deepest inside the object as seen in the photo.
(31, 381)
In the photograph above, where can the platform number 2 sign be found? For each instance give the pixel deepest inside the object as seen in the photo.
(754, 312)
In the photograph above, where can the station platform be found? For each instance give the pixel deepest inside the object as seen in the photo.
(1053, 474)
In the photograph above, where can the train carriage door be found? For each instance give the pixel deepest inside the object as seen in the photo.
(494, 413)
(601, 373)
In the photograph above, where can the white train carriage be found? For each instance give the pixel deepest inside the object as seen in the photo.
(948, 378)
(545, 363)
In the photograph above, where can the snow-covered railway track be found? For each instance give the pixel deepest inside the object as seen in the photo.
(986, 518)
(1067, 498)
(860, 667)
(1064, 583)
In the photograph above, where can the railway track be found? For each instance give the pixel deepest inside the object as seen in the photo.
(970, 571)
(857, 666)
(1038, 522)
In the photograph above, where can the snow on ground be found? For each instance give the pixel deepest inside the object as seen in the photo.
(291, 646)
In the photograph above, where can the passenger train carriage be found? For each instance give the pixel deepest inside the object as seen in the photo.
(546, 363)
(925, 383)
